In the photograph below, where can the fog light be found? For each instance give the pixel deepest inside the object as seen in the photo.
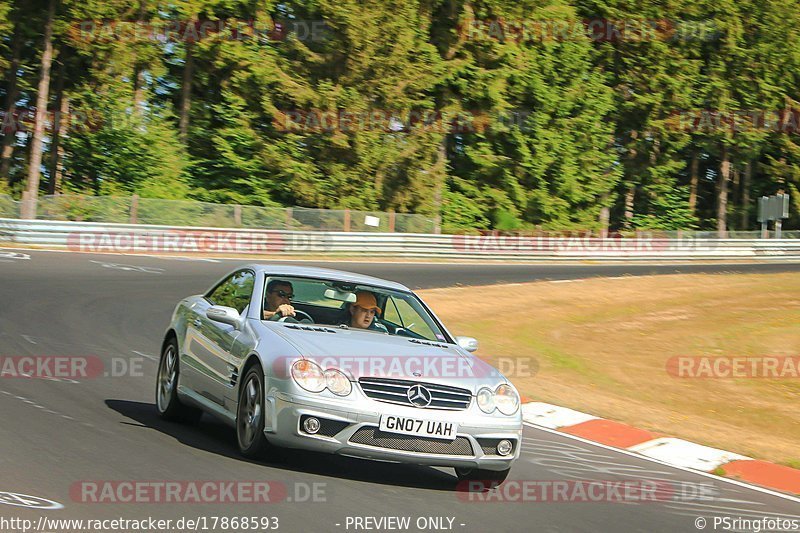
(311, 425)
(504, 447)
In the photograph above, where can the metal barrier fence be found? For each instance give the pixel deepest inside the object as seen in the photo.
(151, 239)
(136, 210)
(187, 213)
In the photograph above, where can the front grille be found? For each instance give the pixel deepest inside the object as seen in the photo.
(489, 446)
(396, 391)
(372, 436)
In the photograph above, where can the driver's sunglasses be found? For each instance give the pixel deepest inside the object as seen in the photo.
(284, 294)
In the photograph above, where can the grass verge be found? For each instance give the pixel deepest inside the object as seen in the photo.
(601, 346)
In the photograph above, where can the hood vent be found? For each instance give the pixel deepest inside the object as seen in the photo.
(310, 328)
(429, 343)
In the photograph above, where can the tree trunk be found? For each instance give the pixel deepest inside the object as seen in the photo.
(186, 93)
(605, 214)
(630, 193)
(722, 193)
(138, 89)
(736, 187)
(748, 170)
(655, 154)
(34, 169)
(10, 132)
(630, 196)
(440, 174)
(694, 179)
(57, 122)
(57, 149)
(138, 71)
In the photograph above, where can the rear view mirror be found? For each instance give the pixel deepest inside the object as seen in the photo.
(340, 296)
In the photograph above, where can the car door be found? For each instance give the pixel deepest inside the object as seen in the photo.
(209, 343)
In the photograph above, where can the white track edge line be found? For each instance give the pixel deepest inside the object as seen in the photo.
(689, 470)
(576, 262)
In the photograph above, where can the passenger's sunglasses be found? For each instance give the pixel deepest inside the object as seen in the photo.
(284, 294)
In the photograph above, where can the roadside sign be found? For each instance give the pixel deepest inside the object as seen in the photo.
(773, 207)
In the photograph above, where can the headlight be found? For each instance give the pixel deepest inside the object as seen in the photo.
(506, 399)
(308, 375)
(337, 382)
(486, 400)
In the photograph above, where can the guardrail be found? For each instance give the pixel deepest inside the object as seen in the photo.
(151, 239)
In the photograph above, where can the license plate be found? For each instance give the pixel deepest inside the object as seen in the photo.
(433, 429)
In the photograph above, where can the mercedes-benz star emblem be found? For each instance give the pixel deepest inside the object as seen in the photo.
(419, 396)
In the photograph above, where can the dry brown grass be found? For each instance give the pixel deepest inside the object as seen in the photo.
(601, 346)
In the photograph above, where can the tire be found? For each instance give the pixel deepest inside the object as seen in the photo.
(250, 414)
(490, 478)
(168, 404)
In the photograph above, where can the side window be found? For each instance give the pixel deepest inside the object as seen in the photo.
(390, 313)
(235, 291)
(401, 313)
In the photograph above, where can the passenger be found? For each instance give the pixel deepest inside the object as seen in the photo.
(279, 297)
(363, 312)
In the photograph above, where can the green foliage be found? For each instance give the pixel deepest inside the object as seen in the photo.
(506, 220)
(460, 212)
(110, 209)
(8, 208)
(669, 211)
(530, 129)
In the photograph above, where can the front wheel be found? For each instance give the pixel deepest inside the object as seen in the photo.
(250, 415)
(167, 402)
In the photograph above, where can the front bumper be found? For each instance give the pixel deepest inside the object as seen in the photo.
(353, 431)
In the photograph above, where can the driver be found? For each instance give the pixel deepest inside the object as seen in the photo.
(279, 297)
(363, 312)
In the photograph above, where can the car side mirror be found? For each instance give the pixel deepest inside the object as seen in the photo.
(225, 315)
(468, 343)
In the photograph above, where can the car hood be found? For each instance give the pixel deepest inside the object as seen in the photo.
(366, 354)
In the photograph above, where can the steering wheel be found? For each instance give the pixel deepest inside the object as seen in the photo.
(297, 312)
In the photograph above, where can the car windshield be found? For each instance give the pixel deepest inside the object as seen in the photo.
(355, 306)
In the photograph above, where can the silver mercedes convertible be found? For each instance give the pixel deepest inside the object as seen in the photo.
(337, 362)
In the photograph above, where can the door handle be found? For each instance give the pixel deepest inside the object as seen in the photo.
(198, 322)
